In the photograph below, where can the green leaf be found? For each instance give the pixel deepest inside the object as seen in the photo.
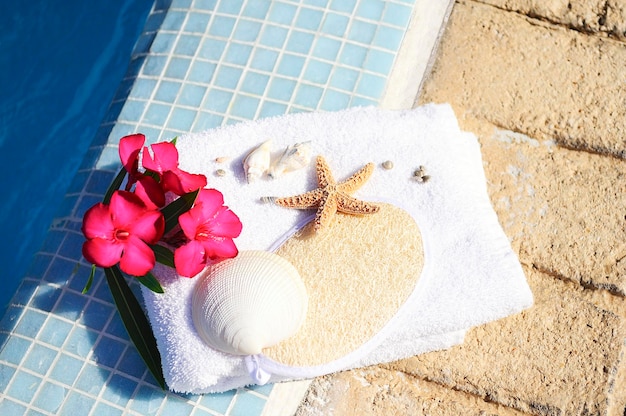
(151, 283)
(173, 141)
(135, 321)
(115, 185)
(163, 255)
(179, 206)
(90, 279)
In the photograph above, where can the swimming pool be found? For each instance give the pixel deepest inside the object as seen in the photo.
(60, 65)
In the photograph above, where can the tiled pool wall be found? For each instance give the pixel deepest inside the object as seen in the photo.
(198, 64)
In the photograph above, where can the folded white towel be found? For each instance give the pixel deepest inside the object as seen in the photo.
(471, 275)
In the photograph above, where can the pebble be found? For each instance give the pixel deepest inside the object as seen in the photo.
(387, 165)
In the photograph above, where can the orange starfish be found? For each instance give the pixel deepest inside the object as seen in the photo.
(330, 196)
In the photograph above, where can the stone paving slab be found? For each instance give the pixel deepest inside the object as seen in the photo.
(546, 81)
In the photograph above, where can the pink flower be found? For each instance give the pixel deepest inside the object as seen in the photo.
(164, 161)
(210, 226)
(120, 232)
(147, 188)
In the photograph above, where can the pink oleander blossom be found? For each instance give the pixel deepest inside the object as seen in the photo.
(210, 227)
(164, 161)
(121, 232)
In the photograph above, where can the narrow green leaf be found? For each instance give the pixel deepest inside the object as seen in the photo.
(173, 141)
(179, 206)
(90, 279)
(163, 255)
(135, 321)
(151, 282)
(115, 185)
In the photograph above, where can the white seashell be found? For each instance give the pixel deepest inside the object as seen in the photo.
(257, 162)
(293, 158)
(250, 302)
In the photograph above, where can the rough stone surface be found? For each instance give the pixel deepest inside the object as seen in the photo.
(558, 358)
(376, 391)
(545, 81)
(592, 16)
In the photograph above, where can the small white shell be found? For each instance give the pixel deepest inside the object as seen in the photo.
(257, 162)
(293, 158)
(250, 302)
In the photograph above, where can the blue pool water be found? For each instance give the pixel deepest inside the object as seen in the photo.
(60, 65)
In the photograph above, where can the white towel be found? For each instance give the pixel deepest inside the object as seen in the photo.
(471, 275)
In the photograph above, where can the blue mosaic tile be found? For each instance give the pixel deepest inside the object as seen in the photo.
(80, 342)
(39, 359)
(187, 45)
(318, 3)
(132, 363)
(108, 351)
(167, 91)
(30, 323)
(282, 13)
(362, 32)
(60, 270)
(204, 4)
(334, 100)
(147, 400)
(92, 379)
(247, 30)
(397, 14)
(177, 68)
(300, 42)
(207, 121)
(379, 61)
(281, 89)
(257, 9)
(45, 297)
(344, 79)
(246, 404)
(370, 9)
(191, 95)
(143, 88)
(362, 102)
(174, 406)
(99, 182)
(388, 38)
(371, 86)
(274, 36)
(264, 59)
(50, 397)
(245, 106)
(14, 350)
(132, 110)
(309, 19)
(76, 404)
(228, 77)
(238, 54)
(291, 65)
(308, 96)
(173, 20)
(119, 389)
(317, 71)
(220, 402)
(353, 55)
(116, 326)
(346, 6)
(197, 22)
(230, 7)
(103, 409)
(335, 24)
(32, 412)
(326, 48)
(96, 315)
(6, 374)
(163, 43)
(55, 331)
(212, 49)
(157, 114)
(254, 83)
(154, 67)
(9, 407)
(201, 72)
(181, 119)
(222, 26)
(24, 386)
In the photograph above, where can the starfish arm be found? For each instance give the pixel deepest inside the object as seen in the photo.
(326, 211)
(349, 205)
(306, 200)
(324, 175)
(355, 181)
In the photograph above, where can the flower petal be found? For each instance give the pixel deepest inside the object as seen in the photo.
(97, 222)
(137, 257)
(190, 259)
(190, 221)
(129, 149)
(211, 201)
(220, 248)
(125, 208)
(163, 157)
(102, 252)
(226, 224)
(149, 226)
(150, 192)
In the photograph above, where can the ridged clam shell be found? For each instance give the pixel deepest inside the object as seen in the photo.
(258, 161)
(250, 302)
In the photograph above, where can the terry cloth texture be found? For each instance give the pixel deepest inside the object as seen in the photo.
(470, 274)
